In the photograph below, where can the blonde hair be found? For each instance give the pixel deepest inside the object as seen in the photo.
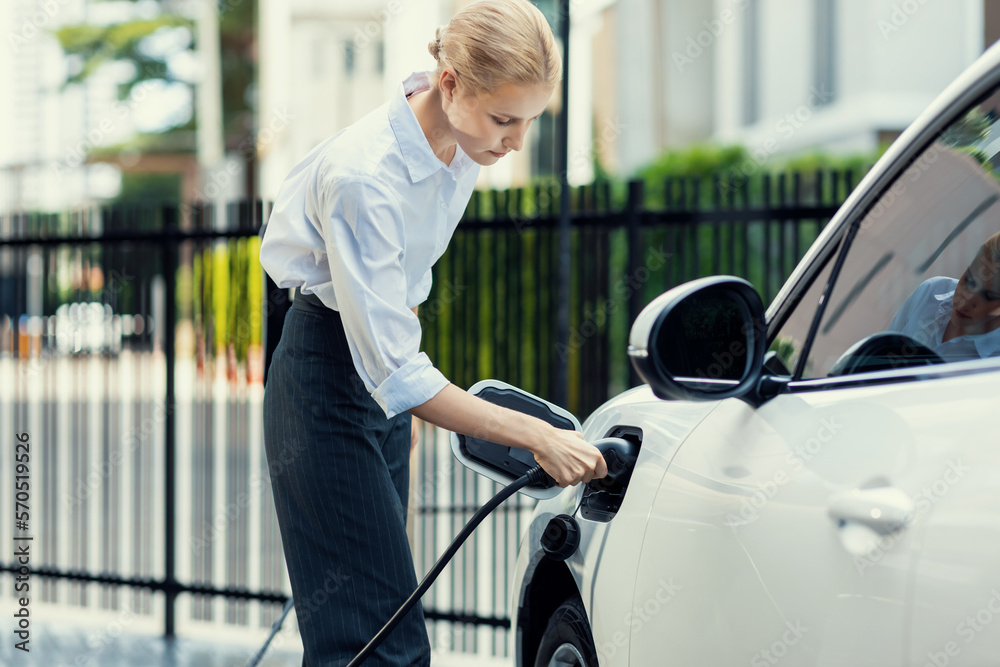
(489, 43)
(991, 249)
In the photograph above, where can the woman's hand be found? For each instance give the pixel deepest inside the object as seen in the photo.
(568, 458)
(415, 425)
(564, 454)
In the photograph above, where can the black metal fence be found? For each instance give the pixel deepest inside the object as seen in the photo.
(134, 341)
(492, 310)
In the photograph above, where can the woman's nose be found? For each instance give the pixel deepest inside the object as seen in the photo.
(515, 140)
(962, 295)
(968, 302)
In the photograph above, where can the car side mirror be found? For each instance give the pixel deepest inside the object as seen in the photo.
(703, 340)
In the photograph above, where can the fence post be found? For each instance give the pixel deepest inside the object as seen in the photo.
(633, 222)
(561, 394)
(169, 261)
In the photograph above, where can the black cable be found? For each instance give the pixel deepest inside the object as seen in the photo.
(535, 476)
(274, 630)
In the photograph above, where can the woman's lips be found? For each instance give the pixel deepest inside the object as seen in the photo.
(495, 154)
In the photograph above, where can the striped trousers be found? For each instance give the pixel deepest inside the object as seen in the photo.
(339, 474)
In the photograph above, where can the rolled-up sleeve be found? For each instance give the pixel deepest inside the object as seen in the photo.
(364, 236)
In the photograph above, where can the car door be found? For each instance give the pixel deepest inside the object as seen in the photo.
(761, 523)
(851, 517)
(956, 597)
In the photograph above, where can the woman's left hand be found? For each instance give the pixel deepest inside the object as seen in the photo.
(415, 425)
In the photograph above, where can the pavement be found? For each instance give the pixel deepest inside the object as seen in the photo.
(62, 645)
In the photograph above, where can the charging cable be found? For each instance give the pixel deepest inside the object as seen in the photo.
(536, 477)
(274, 630)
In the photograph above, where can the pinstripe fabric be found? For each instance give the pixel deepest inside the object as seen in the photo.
(339, 476)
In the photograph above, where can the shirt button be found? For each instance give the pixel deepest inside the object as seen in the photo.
(444, 205)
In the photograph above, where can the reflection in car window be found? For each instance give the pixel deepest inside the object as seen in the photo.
(925, 264)
(790, 339)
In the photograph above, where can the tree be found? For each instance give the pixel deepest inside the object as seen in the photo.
(88, 47)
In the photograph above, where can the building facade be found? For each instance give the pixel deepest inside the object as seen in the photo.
(779, 76)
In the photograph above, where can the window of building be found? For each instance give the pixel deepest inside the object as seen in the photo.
(349, 58)
(825, 56)
(751, 63)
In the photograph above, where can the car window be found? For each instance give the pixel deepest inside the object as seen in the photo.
(920, 281)
(791, 338)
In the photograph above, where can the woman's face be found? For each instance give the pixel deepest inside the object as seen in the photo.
(976, 307)
(488, 126)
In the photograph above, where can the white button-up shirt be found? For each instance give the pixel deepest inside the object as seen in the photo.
(925, 315)
(359, 222)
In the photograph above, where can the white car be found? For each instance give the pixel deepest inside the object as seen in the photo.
(835, 501)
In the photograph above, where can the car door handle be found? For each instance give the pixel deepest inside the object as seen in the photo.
(884, 509)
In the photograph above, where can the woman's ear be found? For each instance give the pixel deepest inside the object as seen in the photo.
(448, 85)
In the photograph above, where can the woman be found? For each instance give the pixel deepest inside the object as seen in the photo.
(958, 319)
(355, 229)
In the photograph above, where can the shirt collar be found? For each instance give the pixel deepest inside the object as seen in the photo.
(987, 344)
(420, 159)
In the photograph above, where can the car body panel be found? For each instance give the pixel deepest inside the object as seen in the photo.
(851, 602)
(956, 596)
(617, 542)
(753, 568)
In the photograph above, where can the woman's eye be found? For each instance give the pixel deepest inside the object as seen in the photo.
(504, 122)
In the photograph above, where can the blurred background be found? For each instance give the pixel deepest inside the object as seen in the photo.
(122, 101)
(142, 145)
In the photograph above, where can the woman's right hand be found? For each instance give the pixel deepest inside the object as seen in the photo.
(567, 456)
(563, 453)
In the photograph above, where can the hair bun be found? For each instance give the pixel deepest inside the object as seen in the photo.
(434, 46)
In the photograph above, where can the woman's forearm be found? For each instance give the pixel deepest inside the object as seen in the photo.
(459, 411)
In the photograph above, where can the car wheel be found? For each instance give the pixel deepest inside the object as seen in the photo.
(567, 641)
